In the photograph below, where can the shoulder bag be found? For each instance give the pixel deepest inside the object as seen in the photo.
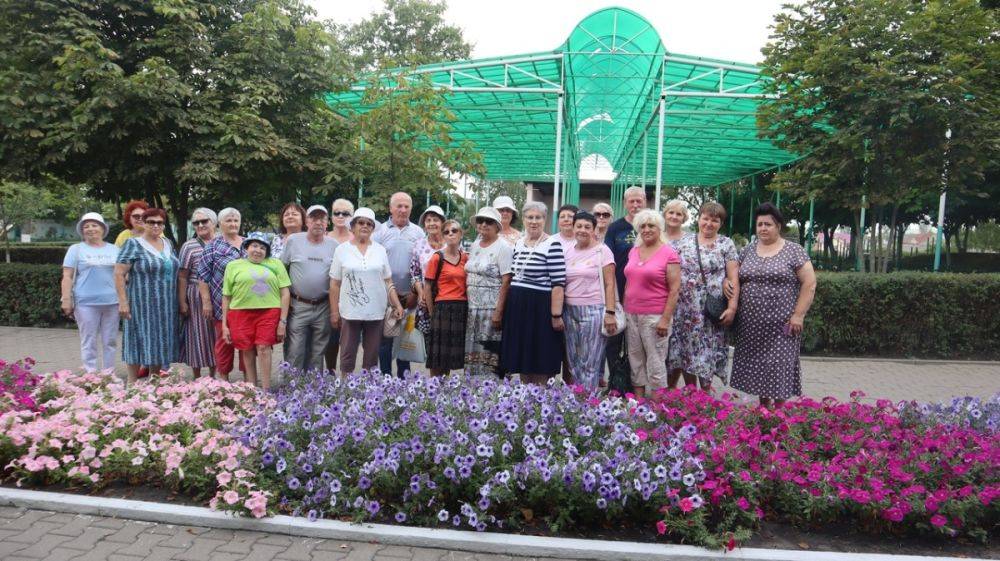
(714, 305)
(619, 311)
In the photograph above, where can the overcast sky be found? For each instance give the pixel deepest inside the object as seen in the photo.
(733, 30)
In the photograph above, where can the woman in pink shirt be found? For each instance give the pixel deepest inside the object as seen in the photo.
(652, 282)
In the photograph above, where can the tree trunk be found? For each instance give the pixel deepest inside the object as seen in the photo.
(965, 239)
(180, 205)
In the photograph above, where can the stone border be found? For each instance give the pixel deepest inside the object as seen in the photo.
(410, 536)
(899, 360)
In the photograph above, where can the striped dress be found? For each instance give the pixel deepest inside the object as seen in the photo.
(529, 344)
(197, 347)
(151, 335)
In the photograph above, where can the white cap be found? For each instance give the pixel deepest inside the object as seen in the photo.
(503, 201)
(320, 208)
(489, 212)
(94, 216)
(433, 209)
(364, 212)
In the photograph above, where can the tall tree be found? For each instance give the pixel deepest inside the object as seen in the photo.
(405, 33)
(868, 88)
(171, 99)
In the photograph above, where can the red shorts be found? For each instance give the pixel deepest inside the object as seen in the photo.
(254, 327)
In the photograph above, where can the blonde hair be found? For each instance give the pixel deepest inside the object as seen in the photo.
(677, 204)
(342, 202)
(648, 216)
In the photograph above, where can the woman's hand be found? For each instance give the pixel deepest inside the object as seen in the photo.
(727, 317)
(206, 310)
(610, 325)
(663, 327)
(728, 290)
(795, 323)
(334, 319)
(124, 310)
(67, 307)
(282, 327)
(497, 320)
(182, 307)
(226, 336)
(398, 312)
(557, 324)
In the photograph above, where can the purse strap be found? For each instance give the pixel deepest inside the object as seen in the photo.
(697, 250)
(600, 275)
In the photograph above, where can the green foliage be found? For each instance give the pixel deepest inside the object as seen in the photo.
(29, 295)
(51, 254)
(19, 203)
(405, 33)
(907, 314)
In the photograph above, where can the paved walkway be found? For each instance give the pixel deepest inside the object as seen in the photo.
(37, 534)
(879, 378)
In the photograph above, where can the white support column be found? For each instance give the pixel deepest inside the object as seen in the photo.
(659, 154)
(645, 148)
(555, 178)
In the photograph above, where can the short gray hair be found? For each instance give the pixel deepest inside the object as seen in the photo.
(677, 204)
(648, 216)
(537, 206)
(207, 213)
(634, 190)
(610, 209)
(224, 213)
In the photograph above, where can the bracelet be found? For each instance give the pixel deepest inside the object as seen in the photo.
(282, 321)
(612, 312)
(555, 316)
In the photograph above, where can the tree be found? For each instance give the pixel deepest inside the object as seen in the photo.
(215, 100)
(868, 88)
(19, 203)
(405, 33)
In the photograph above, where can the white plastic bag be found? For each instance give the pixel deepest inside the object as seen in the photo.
(409, 345)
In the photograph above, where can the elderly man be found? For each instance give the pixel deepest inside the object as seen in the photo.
(620, 237)
(307, 256)
(398, 236)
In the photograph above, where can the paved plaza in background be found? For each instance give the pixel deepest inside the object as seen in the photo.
(921, 380)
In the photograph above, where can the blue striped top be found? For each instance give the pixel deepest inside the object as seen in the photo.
(540, 267)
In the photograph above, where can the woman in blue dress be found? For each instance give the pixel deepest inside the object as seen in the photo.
(146, 280)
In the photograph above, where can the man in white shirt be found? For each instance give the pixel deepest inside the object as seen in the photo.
(398, 236)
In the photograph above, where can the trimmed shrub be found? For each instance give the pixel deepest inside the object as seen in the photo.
(906, 314)
(35, 253)
(29, 295)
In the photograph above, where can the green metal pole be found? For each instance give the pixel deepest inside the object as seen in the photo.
(939, 238)
(859, 262)
(779, 200)
(732, 206)
(753, 188)
(809, 236)
(361, 182)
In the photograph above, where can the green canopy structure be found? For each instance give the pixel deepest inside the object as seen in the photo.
(613, 91)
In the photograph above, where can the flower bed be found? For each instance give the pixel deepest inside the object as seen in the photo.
(89, 431)
(17, 384)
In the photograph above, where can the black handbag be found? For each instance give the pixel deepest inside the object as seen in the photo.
(714, 305)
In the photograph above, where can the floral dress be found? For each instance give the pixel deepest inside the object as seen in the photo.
(698, 346)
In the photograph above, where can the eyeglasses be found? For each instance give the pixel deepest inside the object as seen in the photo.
(155, 223)
(136, 218)
(341, 213)
(452, 231)
(602, 214)
(201, 222)
(364, 223)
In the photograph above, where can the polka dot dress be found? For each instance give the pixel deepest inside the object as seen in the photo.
(766, 361)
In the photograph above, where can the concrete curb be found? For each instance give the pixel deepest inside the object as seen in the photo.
(409, 536)
(916, 361)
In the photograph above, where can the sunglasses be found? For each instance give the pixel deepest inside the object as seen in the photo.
(201, 222)
(136, 218)
(453, 231)
(364, 223)
(341, 213)
(155, 223)
(602, 214)
(483, 221)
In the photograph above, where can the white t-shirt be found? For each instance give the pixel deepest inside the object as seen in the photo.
(363, 295)
(484, 272)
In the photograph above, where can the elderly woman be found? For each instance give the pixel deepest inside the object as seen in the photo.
(604, 214)
(341, 212)
(211, 270)
(292, 221)
(675, 214)
(508, 216)
(133, 221)
(447, 302)
(533, 318)
(776, 288)
(255, 298)
(652, 282)
(564, 221)
(198, 346)
(431, 221)
(590, 301)
(88, 292)
(147, 301)
(360, 292)
(488, 274)
(698, 348)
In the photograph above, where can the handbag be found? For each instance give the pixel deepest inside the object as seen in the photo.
(409, 346)
(619, 311)
(714, 305)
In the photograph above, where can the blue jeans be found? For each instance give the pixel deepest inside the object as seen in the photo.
(385, 358)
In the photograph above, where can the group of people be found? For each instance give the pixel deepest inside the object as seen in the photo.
(640, 294)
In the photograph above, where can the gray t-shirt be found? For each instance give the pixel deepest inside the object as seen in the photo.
(308, 264)
(399, 243)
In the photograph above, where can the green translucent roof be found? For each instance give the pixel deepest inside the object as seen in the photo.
(608, 76)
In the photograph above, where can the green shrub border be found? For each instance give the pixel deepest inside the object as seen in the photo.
(898, 315)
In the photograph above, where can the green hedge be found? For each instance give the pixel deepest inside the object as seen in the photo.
(32, 253)
(29, 295)
(906, 314)
(896, 315)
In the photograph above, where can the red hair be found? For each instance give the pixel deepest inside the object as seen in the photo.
(132, 205)
(154, 213)
(281, 217)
